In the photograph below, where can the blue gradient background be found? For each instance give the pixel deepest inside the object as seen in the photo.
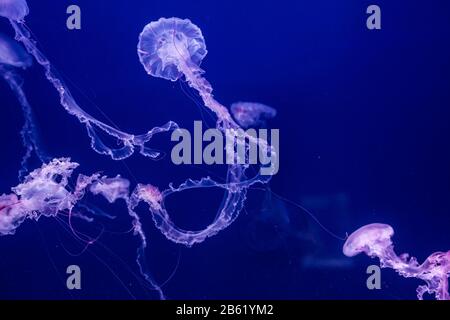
(364, 120)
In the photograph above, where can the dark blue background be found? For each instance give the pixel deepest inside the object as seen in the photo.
(364, 120)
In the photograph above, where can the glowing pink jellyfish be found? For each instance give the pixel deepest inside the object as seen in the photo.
(252, 114)
(163, 42)
(375, 241)
(170, 48)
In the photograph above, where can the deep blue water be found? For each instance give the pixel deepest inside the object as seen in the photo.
(365, 135)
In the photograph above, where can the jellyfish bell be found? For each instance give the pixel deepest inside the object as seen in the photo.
(167, 45)
(13, 54)
(15, 10)
(372, 239)
(251, 114)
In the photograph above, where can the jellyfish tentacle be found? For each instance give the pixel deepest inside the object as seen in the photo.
(13, 56)
(129, 141)
(28, 133)
(169, 49)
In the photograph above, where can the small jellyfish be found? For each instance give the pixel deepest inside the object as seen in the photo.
(375, 241)
(14, 9)
(168, 44)
(252, 114)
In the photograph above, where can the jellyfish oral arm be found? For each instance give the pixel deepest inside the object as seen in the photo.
(195, 79)
(169, 49)
(45, 192)
(375, 240)
(29, 132)
(12, 57)
(128, 141)
(233, 203)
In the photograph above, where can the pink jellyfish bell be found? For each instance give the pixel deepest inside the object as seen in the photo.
(168, 46)
(15, 10)
(372, 239)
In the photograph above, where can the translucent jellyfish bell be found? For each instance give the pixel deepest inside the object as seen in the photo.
(14, 9)
(13, 54)
(372, 239)
(167, 45)
(252, 114)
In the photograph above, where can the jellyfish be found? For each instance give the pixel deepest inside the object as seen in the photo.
(16, 11)
(252, 114)
(116, 188)
(173, 48)
(163, 42)
(375, 241)
(13, 57)
(371, 239)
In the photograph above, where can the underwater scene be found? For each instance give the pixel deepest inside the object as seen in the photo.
(224, 150)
